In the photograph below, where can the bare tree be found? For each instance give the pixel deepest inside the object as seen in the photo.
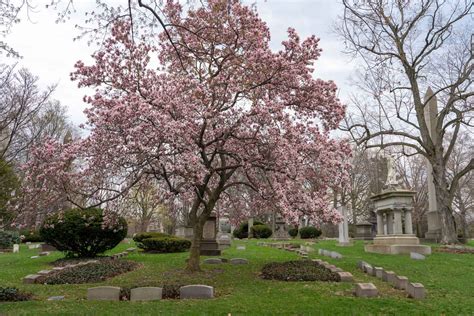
(27, 114)
(407, 46)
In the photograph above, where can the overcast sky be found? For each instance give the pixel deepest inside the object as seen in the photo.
(49, 51)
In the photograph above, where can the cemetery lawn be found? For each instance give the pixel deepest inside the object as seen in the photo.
(448, 278)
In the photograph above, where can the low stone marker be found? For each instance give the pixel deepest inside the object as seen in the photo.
(34, 257)
(131, 249)
(103, 293)
(239, 261)
(146, 294)
(335, 255)
(400, 282)
(56, 298)
(16, 248)
(213, 261)
(378, 272)
(369, 270)
(240, 247)
(59, 268)
(416, 290)
(31, 278)
(365, 290)
(44, 272)
(389, 276)
(196, 291)
(417, 256)
(360, 264)
(44, 253)
(345, 276)
(31, 246)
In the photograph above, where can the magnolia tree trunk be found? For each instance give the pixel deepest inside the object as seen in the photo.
(194, 252)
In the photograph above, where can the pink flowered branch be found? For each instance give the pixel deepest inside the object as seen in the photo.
(224, 122)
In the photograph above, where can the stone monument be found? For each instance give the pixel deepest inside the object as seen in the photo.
(343, 228)
(209, 245)
(280, 231)
(250, 225)
(223, 233)
(363, 231)
(393, 205)
(433, 216)
(186, 232)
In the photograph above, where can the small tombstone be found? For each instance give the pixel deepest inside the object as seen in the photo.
(369, 270)
(345, 276)
(131, 249)
(58, 268)
(31, 278)
(335, 255)
(31, 246)
(103, 293)
(213, 261)
(401, 282)
(378, 272)
(365, 290)
(44, 272)
(417, 256)
(416, 290)
(335, 269)
(360, 264)
(389, 276)
(28, 243)
(239, 261)
(16, 248)
(146, 294)
(240, 247)
(196, 291)
(34, 257)
(56, 298)
(44, 253)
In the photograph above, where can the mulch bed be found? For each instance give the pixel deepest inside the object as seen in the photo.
(301, 270)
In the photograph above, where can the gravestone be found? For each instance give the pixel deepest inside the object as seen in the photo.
(196, 291)
(416, 290)
(239, 261)
(365, 290)
(343, 227)
(345, 276)
(56, 298)
(378, 272)
(400, 282)
(209, 245)
(417, 256)
(146, 294)
(240, 247)
(16, 248)
(280, 231)
(363, 231)
(103, 293)
(224, 240)
(250, 225)
(31, 278)
(186, 232)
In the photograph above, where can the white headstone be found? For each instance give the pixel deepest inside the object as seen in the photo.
(343, 226)
(16, 248)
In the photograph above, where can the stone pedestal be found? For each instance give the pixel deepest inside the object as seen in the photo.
(280, 232)
(391, 207)
(364, 231)
(209, 245)
(185, 232)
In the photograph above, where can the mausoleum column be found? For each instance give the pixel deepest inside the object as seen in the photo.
(380, 230)
(389, 223)
(397, 224)
(408, 223)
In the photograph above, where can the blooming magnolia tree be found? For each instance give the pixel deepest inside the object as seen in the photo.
(213, 114)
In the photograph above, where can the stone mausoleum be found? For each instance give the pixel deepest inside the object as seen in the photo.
(393, 208)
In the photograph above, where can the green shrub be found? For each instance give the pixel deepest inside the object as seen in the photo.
(309, 232)
(165, 244)
(90, 273)
(7, 239)
(12, 294)
(243, 230)
(301, 270)
(138, 238)
(261, 231)
(83, 233)
(293, 232)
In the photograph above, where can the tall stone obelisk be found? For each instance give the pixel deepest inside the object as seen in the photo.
(433, 215)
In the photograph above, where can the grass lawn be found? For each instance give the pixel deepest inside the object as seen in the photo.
(448, 278)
